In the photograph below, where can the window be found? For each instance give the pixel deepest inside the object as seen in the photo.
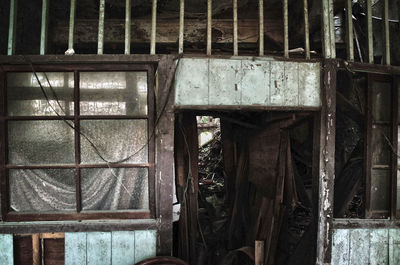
(77, 142)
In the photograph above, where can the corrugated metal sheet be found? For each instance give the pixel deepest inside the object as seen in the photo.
(245, 82)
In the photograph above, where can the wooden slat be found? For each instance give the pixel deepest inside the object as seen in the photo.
(261, 27)
(394, 246)
(285, 29)
(370, 32)
(209, 26)
(386, 36)
(181, 25)
(340, 248)
(306, 30)
(12, 27)
(145, 245)
(379, 249)
(43, 29)
(98, 248)
(6, 249)
(128, 27)
(75, 248)
(235, 29)
(153, 27)
(71, 26)
(123, 247)
(36, 249)
(349, 30)
(52, 235)
(100, 35)
(359, 246)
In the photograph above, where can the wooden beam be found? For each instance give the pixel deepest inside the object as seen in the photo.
(153, 27)
(326, 163)
(181, 25)
(370, 32)
(128, 23)
(43, 29)
(71, 28)
(12, 27)
(36, 249)
(168, 32)
(209, 26)
(235, 29)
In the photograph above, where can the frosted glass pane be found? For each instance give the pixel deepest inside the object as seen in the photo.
(25, 98)
(42, 190)
(381, 152)
(113, 93)
(382, 98)
(115, 140)
(380, 189)
(115, 189)
(40, 142)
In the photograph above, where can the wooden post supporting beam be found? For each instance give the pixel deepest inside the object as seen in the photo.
(100, 38)
(12, 27)
(306, 30)
(181, 25)
(36, 249)
(128, 7)
(209, 26)
(153, 27)
(387, 37)
(235, 29)
(285, 29)
(71, 28)
(369, 33)
(326, 163)
(261, 27)
(328, 29)
(349, 31)
(43, 29)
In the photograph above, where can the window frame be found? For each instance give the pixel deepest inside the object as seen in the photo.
(76, 68)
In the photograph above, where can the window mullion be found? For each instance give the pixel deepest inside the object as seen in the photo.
(395, 142)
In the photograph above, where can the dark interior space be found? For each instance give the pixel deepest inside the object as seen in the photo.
(245, 177)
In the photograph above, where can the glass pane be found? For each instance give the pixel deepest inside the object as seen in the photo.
(40, 142)
(381, 150)
(382, 98)
(25, 98)
(115, 189)
(114, 140)
(42, 190)
(380, 192)
(113, 93)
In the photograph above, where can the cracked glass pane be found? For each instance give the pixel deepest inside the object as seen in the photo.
(114, 140)
(113, 93)
(115, 189)
(40, 142)
(42, 190)
(25, 98)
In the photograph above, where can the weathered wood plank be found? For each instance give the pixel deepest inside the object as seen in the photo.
(224, 82)
(99, 248)
(359, 246)
(340, 247)
(192, 89)
(6, 249)
(309, 84)
(123, 247)
(145, 245)
(378, 254)
(277, 83)
(75, 248)
(255, 91)
(394, 246)
(291, 87)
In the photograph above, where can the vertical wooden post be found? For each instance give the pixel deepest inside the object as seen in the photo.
(43, 29)
(395, 143)
(181, 25)
(153, 27)
(128, 7)
(326, 163)
(349, 31)
(328, 29)
(387, 29)
(306, 30)
(100, 38)
(71, 28)
(209, 26)
(235, 29)
(370, 33)
(259, 252)
(285, 29)
(164, 163)
(12, 27)
(36, 249)
(261, 27)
